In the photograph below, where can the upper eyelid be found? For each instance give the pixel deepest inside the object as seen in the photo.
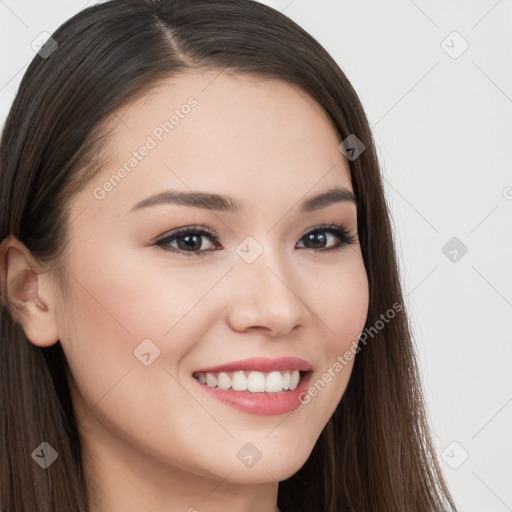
(209, 231)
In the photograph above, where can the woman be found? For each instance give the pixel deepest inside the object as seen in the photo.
(201, 303)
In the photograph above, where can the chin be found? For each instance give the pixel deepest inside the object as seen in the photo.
(269, 469)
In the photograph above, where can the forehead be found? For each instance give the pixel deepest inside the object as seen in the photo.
(242, 135)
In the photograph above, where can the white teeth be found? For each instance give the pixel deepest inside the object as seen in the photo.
(294, 380)
(211, 380)
(286, 380)
(223, 381)
(254, 382)
(274, 382)
(239, 381)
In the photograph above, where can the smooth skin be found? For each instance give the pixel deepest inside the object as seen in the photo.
(152, 438)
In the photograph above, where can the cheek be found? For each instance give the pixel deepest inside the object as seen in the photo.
(342, 308)
(124, 297)
(114, 308)
(340, 299)
(117, 302)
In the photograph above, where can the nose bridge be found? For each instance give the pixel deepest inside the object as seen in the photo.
(266, 295)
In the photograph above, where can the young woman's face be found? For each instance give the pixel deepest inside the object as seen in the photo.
(264, 281)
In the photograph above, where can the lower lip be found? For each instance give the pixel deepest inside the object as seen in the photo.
(262, 404)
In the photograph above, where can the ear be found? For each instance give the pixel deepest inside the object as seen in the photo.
(26, 293)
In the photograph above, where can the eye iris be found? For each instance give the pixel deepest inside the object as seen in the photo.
(191, 242)
(314, 236)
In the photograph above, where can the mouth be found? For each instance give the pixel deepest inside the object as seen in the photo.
(277, 381)
(261, 386)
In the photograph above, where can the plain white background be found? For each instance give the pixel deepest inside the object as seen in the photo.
(442, 119)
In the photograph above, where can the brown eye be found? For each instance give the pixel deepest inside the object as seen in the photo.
(189, 241)
(317, 238)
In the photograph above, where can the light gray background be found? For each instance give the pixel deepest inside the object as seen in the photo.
(443, 130)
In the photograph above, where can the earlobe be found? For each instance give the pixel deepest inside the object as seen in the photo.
(24, 294)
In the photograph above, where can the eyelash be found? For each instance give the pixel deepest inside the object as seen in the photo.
(340, 231)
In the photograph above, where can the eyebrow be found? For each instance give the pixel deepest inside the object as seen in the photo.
(223, 203)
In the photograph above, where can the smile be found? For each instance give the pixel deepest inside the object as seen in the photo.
(252, 381)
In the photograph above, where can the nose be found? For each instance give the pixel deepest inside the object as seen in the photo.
(267, 295)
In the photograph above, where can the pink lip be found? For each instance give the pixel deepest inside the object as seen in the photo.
(261, 364)
(262, 404)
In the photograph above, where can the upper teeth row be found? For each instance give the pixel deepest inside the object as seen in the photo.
(255, 382)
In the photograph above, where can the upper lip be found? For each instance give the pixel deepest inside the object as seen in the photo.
(261, 364)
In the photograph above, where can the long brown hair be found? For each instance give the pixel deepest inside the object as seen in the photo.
(375, 453)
